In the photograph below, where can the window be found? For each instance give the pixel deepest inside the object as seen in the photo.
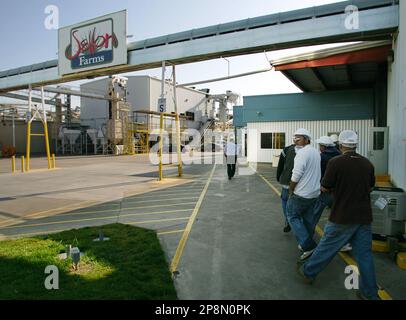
(266, 140)
(275, 140)
(379, 140)
(278, 140)
(190, 115)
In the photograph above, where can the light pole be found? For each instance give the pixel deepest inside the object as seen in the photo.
(228, 65)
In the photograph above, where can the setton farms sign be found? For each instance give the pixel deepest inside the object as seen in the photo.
(94, 44)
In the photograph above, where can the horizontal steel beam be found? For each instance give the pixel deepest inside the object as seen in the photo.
(224, 78)
(375, 23)
(76, 93)
(25, 98)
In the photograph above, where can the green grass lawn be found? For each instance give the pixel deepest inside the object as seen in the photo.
(129, 266)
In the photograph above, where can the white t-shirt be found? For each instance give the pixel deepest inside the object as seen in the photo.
(307, 173)
(231, 149)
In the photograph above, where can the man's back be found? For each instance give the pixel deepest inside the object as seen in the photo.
(307, 173)
(326, 155)
(351, 177)
(231, 149)
(285, 165)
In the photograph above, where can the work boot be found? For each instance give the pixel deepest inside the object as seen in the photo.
(299, 270)
(306, 254)
(287, 228)
(346, 248)
(361, 296)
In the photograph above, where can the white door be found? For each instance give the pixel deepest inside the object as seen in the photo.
(378, 149)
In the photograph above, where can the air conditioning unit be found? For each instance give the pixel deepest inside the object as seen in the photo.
(389, 211)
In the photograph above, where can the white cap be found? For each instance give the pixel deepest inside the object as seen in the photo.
(334, 137)
(325, 141)
(303, 132)
(348, 138)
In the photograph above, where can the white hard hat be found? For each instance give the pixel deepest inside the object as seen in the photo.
(348, 138)
(334, 137)
(325, 141)
(303, 132)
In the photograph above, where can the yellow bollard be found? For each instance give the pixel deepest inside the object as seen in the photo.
(53, 161)
(22, 164)
(47, 144)
(13, 164)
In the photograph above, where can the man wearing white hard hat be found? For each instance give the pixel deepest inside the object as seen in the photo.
(350, 177)
(304, 190)
(334, 137)
(328, 151)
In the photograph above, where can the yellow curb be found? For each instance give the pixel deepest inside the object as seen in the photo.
(379, 246)
(401, 260)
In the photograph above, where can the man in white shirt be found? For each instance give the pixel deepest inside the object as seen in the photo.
(231, 152)
(304, 190)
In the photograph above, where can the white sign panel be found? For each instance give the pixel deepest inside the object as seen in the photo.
(161, 105)
(94, 44)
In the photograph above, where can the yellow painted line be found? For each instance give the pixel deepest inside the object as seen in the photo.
(186, 233)
(174, 192)
(91, 202)
(60, 230)
(93, 219)
(170, 232)
(345, 256)
(270, 185)
(129, 208)
(160, 200)
(161, 220)
(54, 211)
(350, 261)
(30, 234)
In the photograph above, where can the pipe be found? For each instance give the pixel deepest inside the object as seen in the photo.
(225, 78)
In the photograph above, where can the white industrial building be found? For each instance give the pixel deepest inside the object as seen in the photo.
(143, 93)
(286, 129)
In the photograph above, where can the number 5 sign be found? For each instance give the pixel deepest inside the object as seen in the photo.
(161, 105)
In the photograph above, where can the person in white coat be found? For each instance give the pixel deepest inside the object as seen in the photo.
(231, 152)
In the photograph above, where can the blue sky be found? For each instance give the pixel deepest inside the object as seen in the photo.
(25, 40)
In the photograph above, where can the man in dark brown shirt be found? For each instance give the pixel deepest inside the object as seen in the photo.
(350, 178)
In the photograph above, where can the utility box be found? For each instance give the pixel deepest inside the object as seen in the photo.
(389, 211)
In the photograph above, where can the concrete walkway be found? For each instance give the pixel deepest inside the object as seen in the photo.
(237, 249)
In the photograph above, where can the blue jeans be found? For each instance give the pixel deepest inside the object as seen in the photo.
(300, 212)
(284, 198)
(323, 201)
(337, 235)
